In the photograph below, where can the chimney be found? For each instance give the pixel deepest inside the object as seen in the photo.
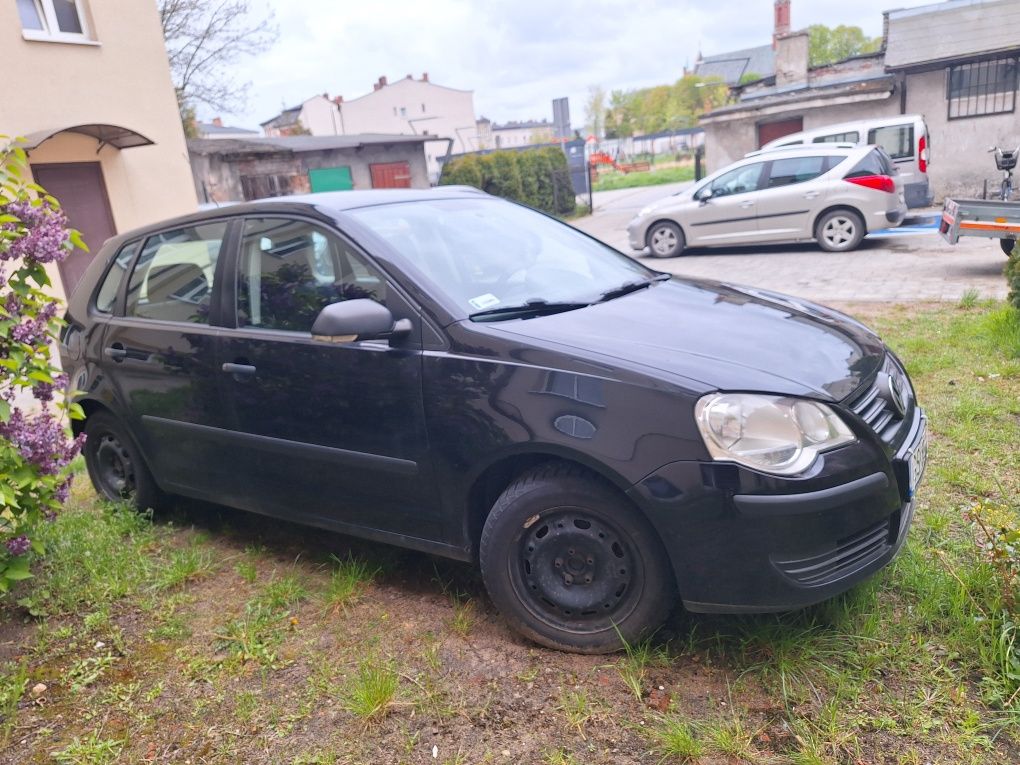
(792, 59)
(382, 81)
(424, 76)
(217, 122)
(410, 77)
(325, 95)
(338, 100)
(781, 25)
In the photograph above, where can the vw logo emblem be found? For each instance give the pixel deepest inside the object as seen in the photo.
(898, 394)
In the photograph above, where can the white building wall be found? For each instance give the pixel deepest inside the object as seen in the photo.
(320, 116)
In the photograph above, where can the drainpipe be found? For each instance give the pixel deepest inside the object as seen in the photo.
(903, 92)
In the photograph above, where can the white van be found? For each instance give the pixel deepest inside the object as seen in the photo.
(904, 137)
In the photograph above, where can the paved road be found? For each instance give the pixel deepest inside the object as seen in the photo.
(912, 263)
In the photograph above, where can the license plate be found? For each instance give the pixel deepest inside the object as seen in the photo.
(917, 459)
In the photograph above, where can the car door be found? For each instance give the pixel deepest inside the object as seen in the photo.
(727, 214)
(792, 196)
(159, 355)
(329, 433)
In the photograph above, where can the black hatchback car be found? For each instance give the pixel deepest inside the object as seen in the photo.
(456, 374)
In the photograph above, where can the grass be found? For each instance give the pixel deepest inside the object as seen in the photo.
(617, 180)
(255, 641)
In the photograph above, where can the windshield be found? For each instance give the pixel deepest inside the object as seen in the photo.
(487, 254)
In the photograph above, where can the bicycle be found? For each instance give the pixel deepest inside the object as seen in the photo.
(1006, 161)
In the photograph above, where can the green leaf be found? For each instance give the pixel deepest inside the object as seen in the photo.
(5, 411)
(16, 575)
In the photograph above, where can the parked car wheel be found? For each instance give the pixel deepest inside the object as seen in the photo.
(571, 565)
(115, 465)
(665, 240)
(1007, 246)
(839, 231)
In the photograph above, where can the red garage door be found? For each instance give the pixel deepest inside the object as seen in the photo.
(770, 131)
(391, 175)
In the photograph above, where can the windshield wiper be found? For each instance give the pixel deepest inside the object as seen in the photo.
(529, 308)
(628, 287)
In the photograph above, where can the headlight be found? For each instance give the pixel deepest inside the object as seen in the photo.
(774, 434)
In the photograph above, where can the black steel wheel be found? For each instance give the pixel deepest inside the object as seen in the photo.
(572, 565)
(115, 465)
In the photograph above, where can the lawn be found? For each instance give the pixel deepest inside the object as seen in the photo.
(211, 636)
(618, 180)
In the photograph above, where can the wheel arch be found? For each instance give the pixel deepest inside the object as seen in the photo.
(833, 208)
(492, 480)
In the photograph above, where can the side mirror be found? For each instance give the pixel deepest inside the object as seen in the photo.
(360, 319)
(705, 195)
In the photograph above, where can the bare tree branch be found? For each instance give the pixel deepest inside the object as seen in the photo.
(204, 40)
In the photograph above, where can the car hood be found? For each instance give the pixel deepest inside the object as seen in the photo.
(727, 337)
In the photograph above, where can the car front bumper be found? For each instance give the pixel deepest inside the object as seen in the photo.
(636, 232)
(774, 548)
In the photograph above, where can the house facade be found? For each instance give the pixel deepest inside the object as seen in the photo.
(94, 101)
(954, 62)
(514, 134)
(409, 106)
(239, 170)
(216, 129)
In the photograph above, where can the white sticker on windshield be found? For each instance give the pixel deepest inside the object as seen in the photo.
(484, 301)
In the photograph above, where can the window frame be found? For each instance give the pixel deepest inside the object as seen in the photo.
(829, 163)
(128, 250)
(52, 32)
(976, 92)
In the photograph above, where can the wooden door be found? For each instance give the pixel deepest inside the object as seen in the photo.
(770, 131)
(80, 189)
(391, 175)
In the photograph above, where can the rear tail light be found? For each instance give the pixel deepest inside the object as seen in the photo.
(877, 182)
(922, 154)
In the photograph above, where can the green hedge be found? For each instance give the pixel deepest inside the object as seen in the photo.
(1013, 277)
(539, 178)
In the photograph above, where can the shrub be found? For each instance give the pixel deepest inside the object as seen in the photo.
(538, 178)
(34, 446)
(1013, 277)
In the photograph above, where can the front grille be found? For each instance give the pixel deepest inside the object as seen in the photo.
(874, 404)
(851, 555)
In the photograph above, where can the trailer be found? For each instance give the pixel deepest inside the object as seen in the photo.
(981, 217)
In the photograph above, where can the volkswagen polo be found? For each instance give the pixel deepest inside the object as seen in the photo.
(459, 375)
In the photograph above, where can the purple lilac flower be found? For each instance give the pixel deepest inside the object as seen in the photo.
(40, 440)
(45, 233)
(18, 545)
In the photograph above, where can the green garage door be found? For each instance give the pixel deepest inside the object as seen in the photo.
(331, 179)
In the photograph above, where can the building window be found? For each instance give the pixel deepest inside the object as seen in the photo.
(262, 186)
(403, 111)
(53, 20)
(423, 108)
(987, 87)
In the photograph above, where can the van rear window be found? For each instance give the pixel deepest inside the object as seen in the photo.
(897, 140)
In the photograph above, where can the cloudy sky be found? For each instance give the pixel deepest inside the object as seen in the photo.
(515, 56)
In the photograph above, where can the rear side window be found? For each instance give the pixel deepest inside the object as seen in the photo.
(874, 163)
(785, 172)
(173, 278)
(897, 140)
(850, 137)
(106, 298)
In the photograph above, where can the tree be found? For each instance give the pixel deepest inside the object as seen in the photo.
(664, 107)
(826, 46)
(202, 39)
(595, 111)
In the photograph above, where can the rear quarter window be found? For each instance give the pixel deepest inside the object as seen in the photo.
(106, 297)
(873, 163)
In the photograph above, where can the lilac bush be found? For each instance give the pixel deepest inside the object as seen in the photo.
(35, 448)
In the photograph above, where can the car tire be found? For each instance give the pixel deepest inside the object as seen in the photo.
(665, 240)
(1007, 246)
(116, 466)
(839, 231)
(572, 565)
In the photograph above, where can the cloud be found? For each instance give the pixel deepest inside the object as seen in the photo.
(516, 57)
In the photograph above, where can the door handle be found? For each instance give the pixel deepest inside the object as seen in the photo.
(746, 205)
(116, 352)
(810, 194)
(239, 369)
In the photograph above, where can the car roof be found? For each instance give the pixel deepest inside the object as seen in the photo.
(816, 149)
(325, 202)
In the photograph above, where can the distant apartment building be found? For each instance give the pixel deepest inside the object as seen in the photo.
(408, 106)
(216, 129)
(94, 101)
(514, 134)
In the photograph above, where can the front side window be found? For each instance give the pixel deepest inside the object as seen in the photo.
(173, 277)
(290, 270)
(785, 172)
(897, 140)
(738, 181)
(52, 19)
(987, 87)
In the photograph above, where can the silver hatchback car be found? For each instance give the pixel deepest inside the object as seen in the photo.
(833, 195)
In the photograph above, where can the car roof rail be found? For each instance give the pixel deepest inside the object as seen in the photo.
(802, 147)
